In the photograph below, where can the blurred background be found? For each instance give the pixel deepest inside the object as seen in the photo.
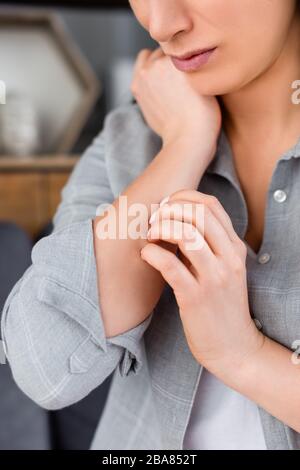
(64, 66)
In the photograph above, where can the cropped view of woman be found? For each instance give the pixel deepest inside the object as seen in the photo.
(202, 342)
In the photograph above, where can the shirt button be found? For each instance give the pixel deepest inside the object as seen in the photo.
(279, 195)
(264, 258)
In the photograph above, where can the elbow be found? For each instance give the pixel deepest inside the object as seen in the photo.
(47, 377)
(52, 400)
(37, 353)
(55, 369)
(55, 360)
(34, 381)
(37, 380)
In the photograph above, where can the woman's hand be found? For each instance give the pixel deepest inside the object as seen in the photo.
(209, 280)
(171, 107)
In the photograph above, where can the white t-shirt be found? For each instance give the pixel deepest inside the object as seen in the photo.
(222, 419)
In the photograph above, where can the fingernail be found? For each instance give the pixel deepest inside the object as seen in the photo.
(152, 218)
(164, 201)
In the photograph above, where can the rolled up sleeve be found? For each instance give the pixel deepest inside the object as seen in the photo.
(52, 326)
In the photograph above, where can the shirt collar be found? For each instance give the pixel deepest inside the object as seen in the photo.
(223, 163)
(293, 152)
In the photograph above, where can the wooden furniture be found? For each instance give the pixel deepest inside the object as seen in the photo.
(30, 189)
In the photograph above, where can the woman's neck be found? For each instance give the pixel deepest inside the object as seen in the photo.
(263, 110)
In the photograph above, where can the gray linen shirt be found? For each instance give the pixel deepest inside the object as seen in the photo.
(52, 323)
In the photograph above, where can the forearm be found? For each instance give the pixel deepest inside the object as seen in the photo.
(271, 379)
(128, 287)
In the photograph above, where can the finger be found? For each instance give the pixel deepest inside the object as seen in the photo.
(204, 220)
(213, 203)
(171, 268)
(196, 249)
(156, 54)
(184, 260)
(141, 59)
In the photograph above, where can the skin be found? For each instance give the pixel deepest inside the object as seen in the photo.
(258, 54)
(263, 60)
(260, 369)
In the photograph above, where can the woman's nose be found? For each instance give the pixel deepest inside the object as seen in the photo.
(168, 18)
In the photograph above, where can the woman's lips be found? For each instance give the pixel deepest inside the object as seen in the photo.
(194, 62)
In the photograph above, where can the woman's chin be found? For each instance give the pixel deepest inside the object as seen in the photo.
(212, 85)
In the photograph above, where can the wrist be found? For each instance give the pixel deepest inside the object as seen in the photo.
(241, 373)
(237, 368)
(192, 144)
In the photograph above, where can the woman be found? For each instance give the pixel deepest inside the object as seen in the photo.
(200, 339)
